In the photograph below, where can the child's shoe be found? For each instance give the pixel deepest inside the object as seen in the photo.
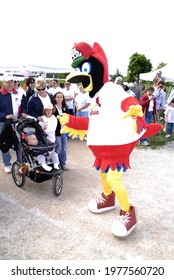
(56, 166)
(46, 167)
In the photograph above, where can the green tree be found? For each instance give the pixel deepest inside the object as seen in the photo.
(160, 65)
(138, 64)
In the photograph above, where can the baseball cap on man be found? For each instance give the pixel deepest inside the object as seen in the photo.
(8, 77)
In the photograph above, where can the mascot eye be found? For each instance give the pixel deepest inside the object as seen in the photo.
(86, 67)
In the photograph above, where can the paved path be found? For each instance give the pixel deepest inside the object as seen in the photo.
(34, 224)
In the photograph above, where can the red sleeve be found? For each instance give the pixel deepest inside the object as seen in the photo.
(126, 103)
(144, 100)
(78, 123)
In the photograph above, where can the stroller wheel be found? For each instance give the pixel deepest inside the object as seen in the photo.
(18, 178)
(57, 185)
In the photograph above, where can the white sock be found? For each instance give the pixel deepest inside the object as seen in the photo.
(46, 167)
(56, 166)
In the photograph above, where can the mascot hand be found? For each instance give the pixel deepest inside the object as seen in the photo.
(63, 119)
(134, 111)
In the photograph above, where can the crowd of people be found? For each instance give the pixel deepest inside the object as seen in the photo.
(154, 103)
(44, 102)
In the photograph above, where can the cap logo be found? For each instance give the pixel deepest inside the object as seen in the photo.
(75, 53)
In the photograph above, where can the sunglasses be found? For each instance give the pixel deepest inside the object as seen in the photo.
(40, 89)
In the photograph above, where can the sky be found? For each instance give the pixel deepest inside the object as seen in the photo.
(43, 32)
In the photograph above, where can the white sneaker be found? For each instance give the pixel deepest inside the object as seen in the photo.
(7, 169)
(46, 167)
(56, 166)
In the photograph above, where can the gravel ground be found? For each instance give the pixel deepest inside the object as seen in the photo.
(36, 225)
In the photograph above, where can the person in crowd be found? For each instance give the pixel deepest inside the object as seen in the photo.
(21, 93)
(30, 82)
(33, 141)
(160, 95)
(148, 103)
(39, 99)
(82, 102)
(158, 78)
(54, 86)
(69, 97)
(24, 86)
(62, 85)
(49, 123)
(169, 118)
(12, 105)
(18, 87)
(119, 81)
(61, 139)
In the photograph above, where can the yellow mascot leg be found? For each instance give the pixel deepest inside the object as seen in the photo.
(106, 187)
(116, 184)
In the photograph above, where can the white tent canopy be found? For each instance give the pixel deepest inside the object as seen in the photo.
(167, 73)
(29, 69)
(46, 69)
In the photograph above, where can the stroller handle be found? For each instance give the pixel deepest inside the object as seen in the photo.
(43, 147)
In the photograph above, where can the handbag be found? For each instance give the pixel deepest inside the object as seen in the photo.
(8, 138)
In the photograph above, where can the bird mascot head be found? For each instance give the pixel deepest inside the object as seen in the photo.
(92, 67)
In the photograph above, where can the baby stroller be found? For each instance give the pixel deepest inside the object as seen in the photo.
(29, 166)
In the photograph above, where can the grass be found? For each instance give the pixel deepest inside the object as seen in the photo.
(158, 141)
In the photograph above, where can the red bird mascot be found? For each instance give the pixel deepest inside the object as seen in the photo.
(114, 127)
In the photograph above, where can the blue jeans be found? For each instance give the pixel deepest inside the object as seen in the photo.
(82, 114)
(61, 148)
(6, 157)
(169, 128)
(148, 120)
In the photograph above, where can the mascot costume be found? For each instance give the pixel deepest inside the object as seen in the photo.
(113, 128)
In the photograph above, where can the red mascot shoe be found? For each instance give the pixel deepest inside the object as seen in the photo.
(125, 223)
(102, 203)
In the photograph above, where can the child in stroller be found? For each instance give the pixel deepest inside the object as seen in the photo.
(33, 143)
(41, 160)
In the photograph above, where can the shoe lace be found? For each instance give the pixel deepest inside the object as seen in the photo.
(125, 219)
(100, 200)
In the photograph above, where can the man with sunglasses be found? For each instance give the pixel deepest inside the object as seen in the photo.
(12, 105)
(39, 100)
